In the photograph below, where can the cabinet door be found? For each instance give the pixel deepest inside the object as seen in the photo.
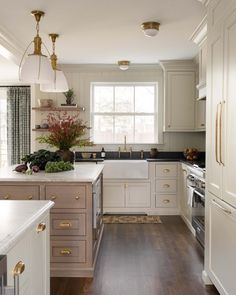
(214, 101)
(180, 100)
(137, 195)
(228, 153)
(40, 258)
(113, 195)
(222, 245)
(200, 111)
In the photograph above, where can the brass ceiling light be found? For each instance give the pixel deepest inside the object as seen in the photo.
(60, 83)
(150, 29)
(123, 64)
(36, 68)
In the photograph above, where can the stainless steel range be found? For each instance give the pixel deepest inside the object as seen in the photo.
(196, 181)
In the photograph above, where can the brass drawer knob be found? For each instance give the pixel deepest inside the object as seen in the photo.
(30, 197)
(166, 185)
(77, 198)
(166, 201)
(53, 198)
(65, 252)
(65, 224)
(19, 268)
(41, 227)
(202, 124)
(166, 170)
(7, 197)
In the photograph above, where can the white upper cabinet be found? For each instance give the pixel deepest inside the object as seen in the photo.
(179, 100)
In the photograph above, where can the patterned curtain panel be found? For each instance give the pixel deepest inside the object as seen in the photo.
(18, 123)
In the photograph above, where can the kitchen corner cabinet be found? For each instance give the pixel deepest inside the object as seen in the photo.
(179, 95)
(33, 251)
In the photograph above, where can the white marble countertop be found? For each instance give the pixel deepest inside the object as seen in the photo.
(81, 173)
(16, 218)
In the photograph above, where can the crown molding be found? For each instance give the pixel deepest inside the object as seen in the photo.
(10, 46)
(110, 68)
(178, 65)
(199, 35)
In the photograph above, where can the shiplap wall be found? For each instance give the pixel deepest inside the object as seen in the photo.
(80, 77)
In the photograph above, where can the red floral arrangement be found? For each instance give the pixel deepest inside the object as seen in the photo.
(65, 131)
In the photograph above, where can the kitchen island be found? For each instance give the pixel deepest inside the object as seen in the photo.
(24, 240)
(76, 218)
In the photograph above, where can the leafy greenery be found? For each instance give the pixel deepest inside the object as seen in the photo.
(58, 167)
(40, 158)
(69, 96)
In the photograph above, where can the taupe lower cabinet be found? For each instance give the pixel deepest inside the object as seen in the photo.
(74, 242)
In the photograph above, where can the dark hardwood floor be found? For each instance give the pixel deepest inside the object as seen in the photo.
(146, 259)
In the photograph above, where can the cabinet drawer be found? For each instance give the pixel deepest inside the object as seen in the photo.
(68, 224)
(68, 251)
(19, 192)
(166, 185)
(166, 170)
(71, 197)
(166, 201)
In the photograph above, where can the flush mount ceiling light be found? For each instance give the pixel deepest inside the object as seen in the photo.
(60, 83)
(36, 67)
(150, 29)
(123, 64)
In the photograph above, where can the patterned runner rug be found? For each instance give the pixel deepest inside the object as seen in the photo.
(131, 219)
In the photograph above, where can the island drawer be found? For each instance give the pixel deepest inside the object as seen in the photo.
(69, 224)
(71, 197)
(166, 201)
(166, 170)
(166, 185)
(19, 192)
(68, 251)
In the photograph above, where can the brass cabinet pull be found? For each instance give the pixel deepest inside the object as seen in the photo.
(166, 201)
(41, 227)
(221, 115)
(19, 268)
(166, 185)
(216, 132)
(202, 124)
(166, 170)
(53, 198)
(65, 252)
(77, 198)
(30, 197)
(7, 197)
(65, 224)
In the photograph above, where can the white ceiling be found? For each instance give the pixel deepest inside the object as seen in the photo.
(105, 31)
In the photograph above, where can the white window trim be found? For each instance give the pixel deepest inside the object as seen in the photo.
(158, 105)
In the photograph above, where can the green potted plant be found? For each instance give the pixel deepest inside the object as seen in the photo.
(65, 132)
(70, 96)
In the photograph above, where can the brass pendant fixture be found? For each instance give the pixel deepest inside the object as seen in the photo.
(36, 68)
(59, 83)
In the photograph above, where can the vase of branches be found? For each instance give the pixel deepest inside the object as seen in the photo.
(64, 132)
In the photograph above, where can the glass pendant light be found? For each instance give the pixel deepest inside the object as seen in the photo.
(36, 67)
(59, 83)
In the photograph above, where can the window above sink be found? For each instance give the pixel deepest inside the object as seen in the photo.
(124, 109)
